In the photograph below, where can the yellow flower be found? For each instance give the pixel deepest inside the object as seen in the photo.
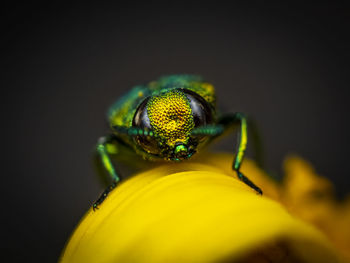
(310, 197)
(199, 212)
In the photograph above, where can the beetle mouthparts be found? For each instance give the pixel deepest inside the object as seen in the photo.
(181, 152)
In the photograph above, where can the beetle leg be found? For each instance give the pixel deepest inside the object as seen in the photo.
(239, 119)
(104, 159)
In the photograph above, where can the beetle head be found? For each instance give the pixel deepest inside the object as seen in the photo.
(170, 118)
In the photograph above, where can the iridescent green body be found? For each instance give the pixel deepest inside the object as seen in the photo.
(168, 119)
(122, 112)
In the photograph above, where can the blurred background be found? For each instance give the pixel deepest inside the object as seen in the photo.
(63, 65)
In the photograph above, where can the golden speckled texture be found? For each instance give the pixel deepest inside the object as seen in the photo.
(171, 117)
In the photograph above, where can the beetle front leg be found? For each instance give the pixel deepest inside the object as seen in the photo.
(239, 119)
(104, 158)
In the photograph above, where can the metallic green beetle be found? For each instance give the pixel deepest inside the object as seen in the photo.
(168, 119)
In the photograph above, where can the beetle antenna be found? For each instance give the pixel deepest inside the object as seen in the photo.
(208, 130)
(133, 131)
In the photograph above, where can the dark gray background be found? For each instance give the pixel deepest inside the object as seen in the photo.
(285, 65)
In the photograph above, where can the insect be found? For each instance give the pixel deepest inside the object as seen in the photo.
(168, 119)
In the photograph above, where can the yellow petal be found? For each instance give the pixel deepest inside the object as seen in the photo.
(194, 212)
(310, 197)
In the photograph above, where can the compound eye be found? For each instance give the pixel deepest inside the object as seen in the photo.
(201, 110)
(141, 120)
